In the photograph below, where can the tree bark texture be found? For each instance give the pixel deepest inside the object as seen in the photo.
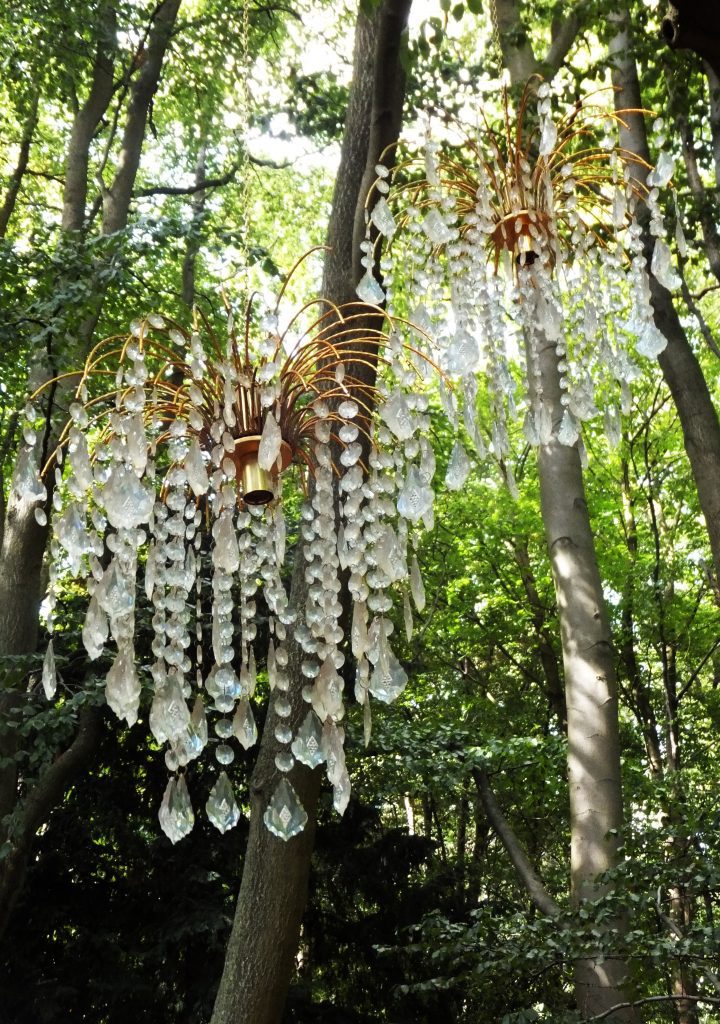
(713, 81)
(590, 691)
(554, 691)
(260, 957)
(86, 122)
(679, 364)
(264, 940)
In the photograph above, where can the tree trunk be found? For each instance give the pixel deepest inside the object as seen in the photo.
(545, 647)
(264, 938)
(87, 120)
(684, 982)
(596, 811)
(714, 104)
(588, 659)
(16, 178)
(192, 244)
(117, 199)
(260, 957)
(680, 367)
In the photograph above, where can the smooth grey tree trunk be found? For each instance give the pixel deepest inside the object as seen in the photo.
(679, 364)
(596, 808)
(264, 940)
(587, 652)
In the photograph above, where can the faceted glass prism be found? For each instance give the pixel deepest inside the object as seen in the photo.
(176, 814)
(307, 743)
(285, 816)
(221, 806)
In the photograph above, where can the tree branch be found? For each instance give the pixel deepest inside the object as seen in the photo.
(710, 1000)
(21, 167)
(188, 190)
(564, 31)
(527, 876)
(38, 804)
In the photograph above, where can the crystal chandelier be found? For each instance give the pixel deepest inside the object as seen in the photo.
(520, 236)
(177, 469)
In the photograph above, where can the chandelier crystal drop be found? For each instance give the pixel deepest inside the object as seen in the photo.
(170, 474)
(520, 236)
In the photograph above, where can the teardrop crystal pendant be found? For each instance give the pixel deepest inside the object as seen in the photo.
(285, 816)
(176, 814)
(306, 745)
(49, 673)
(221, 807)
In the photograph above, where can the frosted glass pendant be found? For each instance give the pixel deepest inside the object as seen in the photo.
(95, 629)
(49, 672)
(458, 468)
(388, 679)
(243, 725)
(176, 814)
(370, 291)
(383, 219)
(221, 807)
(127, 503)
(122, 688)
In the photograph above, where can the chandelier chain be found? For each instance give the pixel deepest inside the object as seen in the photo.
(495, 28)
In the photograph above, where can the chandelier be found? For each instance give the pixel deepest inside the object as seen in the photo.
(173, 462)
(498, 245)
(503, 239)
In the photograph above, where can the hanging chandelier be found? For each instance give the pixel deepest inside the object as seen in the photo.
(177, 470)
(511, 240)
(515, 237)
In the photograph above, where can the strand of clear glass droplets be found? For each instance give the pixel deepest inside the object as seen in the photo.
(464, 237)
